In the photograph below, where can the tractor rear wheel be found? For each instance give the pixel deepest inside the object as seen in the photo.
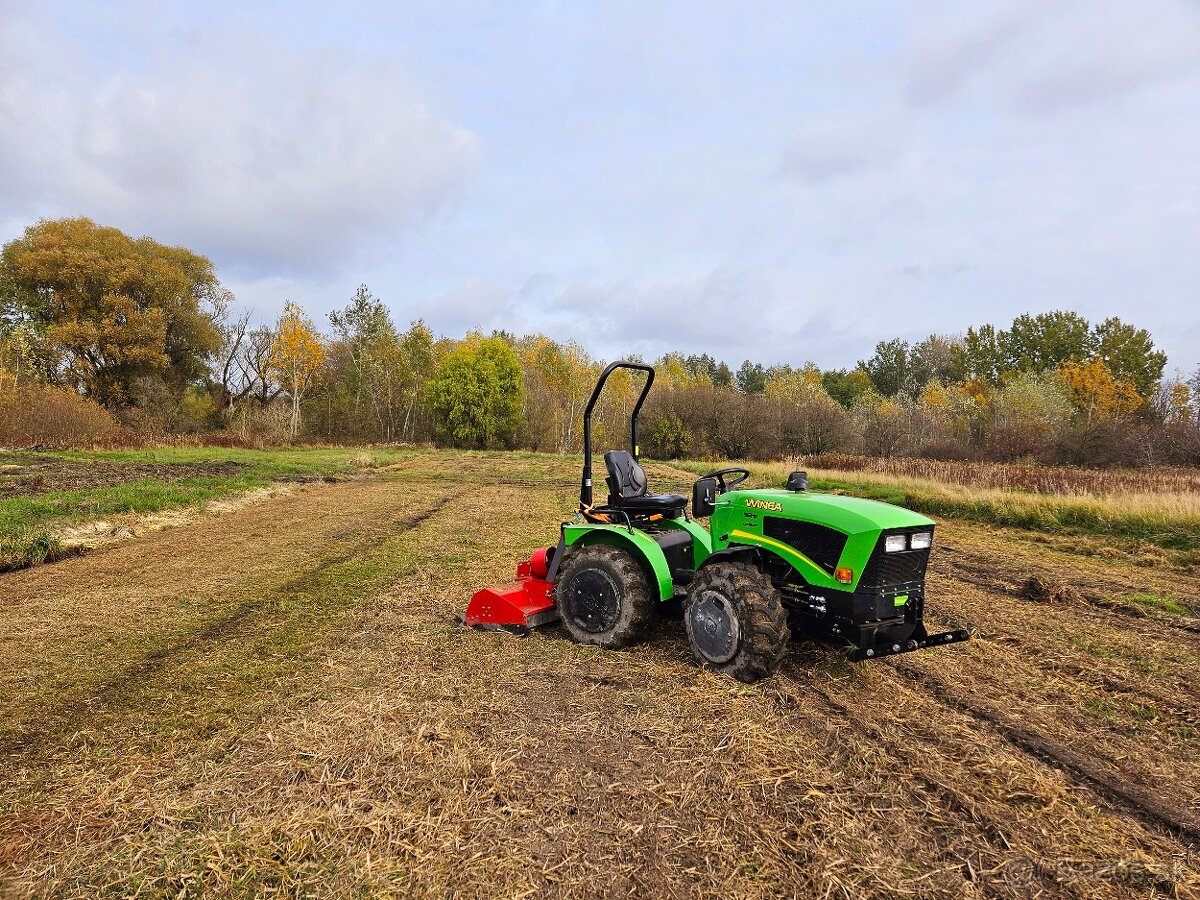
(736, 622)
(603, 596)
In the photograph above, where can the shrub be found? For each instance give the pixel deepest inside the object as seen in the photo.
(1101, 445)
(35, 414)
(814, 423)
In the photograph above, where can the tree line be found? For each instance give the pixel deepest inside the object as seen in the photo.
(126, 336)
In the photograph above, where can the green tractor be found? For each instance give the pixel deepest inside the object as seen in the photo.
(773, 565)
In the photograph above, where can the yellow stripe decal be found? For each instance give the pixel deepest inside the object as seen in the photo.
(779, 545)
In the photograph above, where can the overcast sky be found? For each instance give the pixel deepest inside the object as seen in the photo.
(783, 182)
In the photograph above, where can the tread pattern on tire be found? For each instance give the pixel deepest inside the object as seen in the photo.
(637, 602)
(761, 617)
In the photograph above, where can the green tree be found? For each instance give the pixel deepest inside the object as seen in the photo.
(890, 368)
(1037, 403)
(1129, 354)
(477, 393)
(702, 366)
(417, 344)
(722, 375)
(846, 387)
(980, 356)
(751, 378)
(1045, 342)
(379, 373)
(109, 310)
(937, 358)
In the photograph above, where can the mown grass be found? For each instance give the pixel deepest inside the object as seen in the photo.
(314, 750)
(276, 624)
(1170, 521)
(29, 524)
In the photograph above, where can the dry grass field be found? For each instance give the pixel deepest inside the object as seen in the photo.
(273, 699)
(1138, 511)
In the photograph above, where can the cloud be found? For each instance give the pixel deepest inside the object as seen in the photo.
(827, 149)
(477, 304)
(1115, 53)
(266, 159)
(1044, 57)
(828, 179)
(734, 313)
(920, 271)
(946, 58)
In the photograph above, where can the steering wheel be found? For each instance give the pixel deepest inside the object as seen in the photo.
(739, 473)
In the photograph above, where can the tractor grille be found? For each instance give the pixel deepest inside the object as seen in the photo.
(894, 569)
(820, 543)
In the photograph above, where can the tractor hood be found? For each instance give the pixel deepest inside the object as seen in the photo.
(850, 515)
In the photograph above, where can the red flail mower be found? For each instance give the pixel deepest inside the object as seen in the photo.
(519, 605)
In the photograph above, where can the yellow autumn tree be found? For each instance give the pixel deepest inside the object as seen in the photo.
(671, 371)
(794, 385)
(935, 396)
(558, 380)
(296, 355)
(1180, 400)
(1095, 393)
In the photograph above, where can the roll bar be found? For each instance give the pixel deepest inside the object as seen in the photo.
(585, 489)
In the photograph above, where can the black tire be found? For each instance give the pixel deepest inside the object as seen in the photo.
(736, 623)
(603, 597)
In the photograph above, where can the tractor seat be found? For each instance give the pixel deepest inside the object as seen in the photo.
(627, 488)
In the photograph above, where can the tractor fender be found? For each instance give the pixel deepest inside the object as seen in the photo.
(641, 547)
(737, 553)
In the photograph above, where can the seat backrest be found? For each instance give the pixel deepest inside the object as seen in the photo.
(626, 479)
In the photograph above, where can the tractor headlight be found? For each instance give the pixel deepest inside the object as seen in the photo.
(922, 540)
(894, 543)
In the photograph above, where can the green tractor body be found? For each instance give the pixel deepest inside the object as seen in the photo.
(772, 564)
(826, 553)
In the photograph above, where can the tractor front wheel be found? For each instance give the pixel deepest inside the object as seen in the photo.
(735, 620)
(603, 596)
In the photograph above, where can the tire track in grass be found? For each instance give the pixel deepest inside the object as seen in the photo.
(73, 712)
(1052, 647)
(1122, 793)
(947, 838)
(1135, 799)
(995, 880)
(985, 572)
(1090, 673)
(989, 830)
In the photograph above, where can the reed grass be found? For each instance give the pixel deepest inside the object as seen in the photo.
(1160, 507)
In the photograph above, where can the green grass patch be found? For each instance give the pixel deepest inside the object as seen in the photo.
(27, 545)
(1156, 602)
(28, 523)
(1101, 708)
(1142, 661)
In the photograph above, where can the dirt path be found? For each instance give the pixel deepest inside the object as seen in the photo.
(275, 701)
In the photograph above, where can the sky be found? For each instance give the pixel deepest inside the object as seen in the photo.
(776, 181)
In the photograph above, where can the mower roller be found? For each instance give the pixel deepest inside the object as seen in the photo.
(773, 565)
